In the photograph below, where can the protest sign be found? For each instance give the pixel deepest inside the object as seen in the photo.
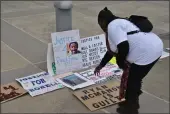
(39, 83)
(93, 49)
(164, 54)
(66, 48)
(11, 91)
(113, 60)
(99, 96)
(34, 80)
(75, 81)
(50, 60)
(107, 73)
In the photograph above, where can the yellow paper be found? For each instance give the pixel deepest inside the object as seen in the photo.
(113, 60)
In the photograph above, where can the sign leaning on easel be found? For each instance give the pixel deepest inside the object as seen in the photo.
(66, 48)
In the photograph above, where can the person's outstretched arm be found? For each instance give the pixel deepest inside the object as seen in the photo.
(123, 50)
(107, 57)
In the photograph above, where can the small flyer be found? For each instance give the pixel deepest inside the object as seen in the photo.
(75, 81)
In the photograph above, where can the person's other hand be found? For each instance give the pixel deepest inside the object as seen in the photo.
(97, 70)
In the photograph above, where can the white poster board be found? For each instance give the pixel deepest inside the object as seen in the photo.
(109, 72)
(39, 83)
(93, 49)
(67, 54)
(75, 81)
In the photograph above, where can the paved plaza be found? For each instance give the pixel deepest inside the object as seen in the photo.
(26, 27)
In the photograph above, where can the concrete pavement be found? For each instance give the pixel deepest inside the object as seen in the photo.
(25, 32)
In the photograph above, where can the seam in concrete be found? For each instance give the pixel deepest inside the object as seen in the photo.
(13, 69)
(105, 111)
(28, 15)
(39, 62)
(156, 96)
(22, 56)
(25, 32)
(21, 10)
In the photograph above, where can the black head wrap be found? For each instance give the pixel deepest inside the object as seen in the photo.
(106, 15)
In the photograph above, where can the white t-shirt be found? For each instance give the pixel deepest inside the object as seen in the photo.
(144, 48)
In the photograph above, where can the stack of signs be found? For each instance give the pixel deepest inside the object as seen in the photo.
(100, 96)
(66, 48)
(93, 49)
(75, 81)
(39, 83)
(11, 91)
(109, 72)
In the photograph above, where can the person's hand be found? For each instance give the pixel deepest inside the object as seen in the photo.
(97, 70)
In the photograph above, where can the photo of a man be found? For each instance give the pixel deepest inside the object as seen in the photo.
(73, 48)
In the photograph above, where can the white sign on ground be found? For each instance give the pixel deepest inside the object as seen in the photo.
(39, 83)
(67, 54)
(75, 81)
(109, 72)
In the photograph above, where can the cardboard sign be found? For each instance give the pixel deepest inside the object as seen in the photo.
(39, 83)
(67, 54)
(75, 81)
(93, 49)
(99, 96)
(11, 91)
(107, 73)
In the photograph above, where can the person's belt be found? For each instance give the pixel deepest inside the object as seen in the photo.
(133, 32)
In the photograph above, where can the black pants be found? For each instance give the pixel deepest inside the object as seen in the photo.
(136, 74)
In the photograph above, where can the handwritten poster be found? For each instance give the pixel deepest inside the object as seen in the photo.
(107, 73)
(39, 83)
(93, 49)
(75, 81)
(67, 53)
(11, 91)
(99, 96)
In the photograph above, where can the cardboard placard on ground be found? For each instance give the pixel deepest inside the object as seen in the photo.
(100, 96)
(11, 91)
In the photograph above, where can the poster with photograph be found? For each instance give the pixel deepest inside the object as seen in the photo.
(11, 91)
(75, 81)
(93, 49)
(39, 83)
(99, 96)
(66, 48)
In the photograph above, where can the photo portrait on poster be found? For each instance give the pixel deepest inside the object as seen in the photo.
(73, 48)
